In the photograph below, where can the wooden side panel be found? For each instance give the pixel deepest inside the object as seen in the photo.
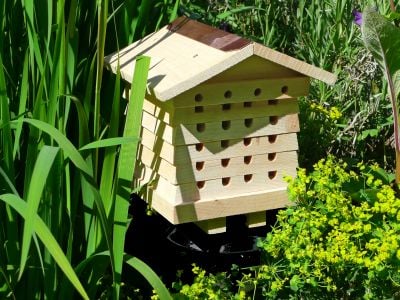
(256, 219)
(217, 208)
(213, 226)
(254, 67)
(221, 130)
(245, 90)
(226, 111)
(219, 149)
(217, 168)
(220, 188)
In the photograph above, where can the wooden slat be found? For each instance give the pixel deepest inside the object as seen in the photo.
(244, 90)
(221, 130)
(217, 208)
(218, 150)
(256, 219)
(227, 111)
(254, 68)
(294, 64)
(212, 226)
(217, 188)
(197, 170)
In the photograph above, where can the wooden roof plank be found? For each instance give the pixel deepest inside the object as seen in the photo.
(181, 60)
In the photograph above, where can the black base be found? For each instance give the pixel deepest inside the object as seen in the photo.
(168, 248)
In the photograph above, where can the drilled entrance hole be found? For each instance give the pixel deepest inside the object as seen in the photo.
(246, 141)
(247, 104)
(200, 127)
(272, 138)
(226, 106)
(225, 181)
(284, 89)
(257, 92)
(272, 102)
(248, 122)
(271, 174)
(224, 144)
(226, 125)
(225, 162)
(247, 159)
(198, 97)
(199, 165)
(273, 120)
(199, 147)
(201, 184)
(247, 177)
(198, 109)
(271, 156)
(228, 94)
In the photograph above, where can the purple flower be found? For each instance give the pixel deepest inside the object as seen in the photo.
(357, 17)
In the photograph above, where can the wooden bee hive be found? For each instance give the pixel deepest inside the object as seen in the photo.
(219, 123)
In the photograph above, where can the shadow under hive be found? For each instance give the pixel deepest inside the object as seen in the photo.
(219, 124)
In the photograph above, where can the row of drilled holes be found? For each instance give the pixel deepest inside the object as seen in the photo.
(246, 178)
(228, 94)
(228, 106)
(225, 161)
(246, 142)
(225, 125)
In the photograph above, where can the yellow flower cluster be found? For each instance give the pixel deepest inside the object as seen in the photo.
(337, 231)
(331, 113)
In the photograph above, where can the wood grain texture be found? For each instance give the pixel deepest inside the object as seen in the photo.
(244, 90)
(180, 63)
(177, 155)
(217, 208)
(198, 170)
(213, 226)
(220, 188)
(256, 219)
(226, 111)
(186, 134)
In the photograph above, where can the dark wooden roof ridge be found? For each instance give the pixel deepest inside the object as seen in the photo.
(208, 35)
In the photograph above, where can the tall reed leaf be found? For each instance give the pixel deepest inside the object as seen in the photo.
(38, 180)
(150, 276)
(110, 142)
(382, 39)
(68, 148)
(126, 164)
(47, 239)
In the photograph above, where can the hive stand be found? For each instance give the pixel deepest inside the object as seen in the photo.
(219, 124)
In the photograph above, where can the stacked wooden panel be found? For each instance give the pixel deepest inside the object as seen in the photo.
(220, 142)
(219, 123)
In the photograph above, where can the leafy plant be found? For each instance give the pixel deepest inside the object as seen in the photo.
(64, 170)
(340, 241)
(382, 39)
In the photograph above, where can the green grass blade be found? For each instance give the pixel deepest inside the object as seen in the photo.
(76, 158)
(150, 276)
(47, 239)
(108, 170)
(174, 13)
(22, 103)
(126, 164)
(38, 180)
(109, 142)
(68, 148)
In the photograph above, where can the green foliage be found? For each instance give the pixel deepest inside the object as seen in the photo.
(340, 241)
(58, 207)
(382, 39)
(208, 286)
